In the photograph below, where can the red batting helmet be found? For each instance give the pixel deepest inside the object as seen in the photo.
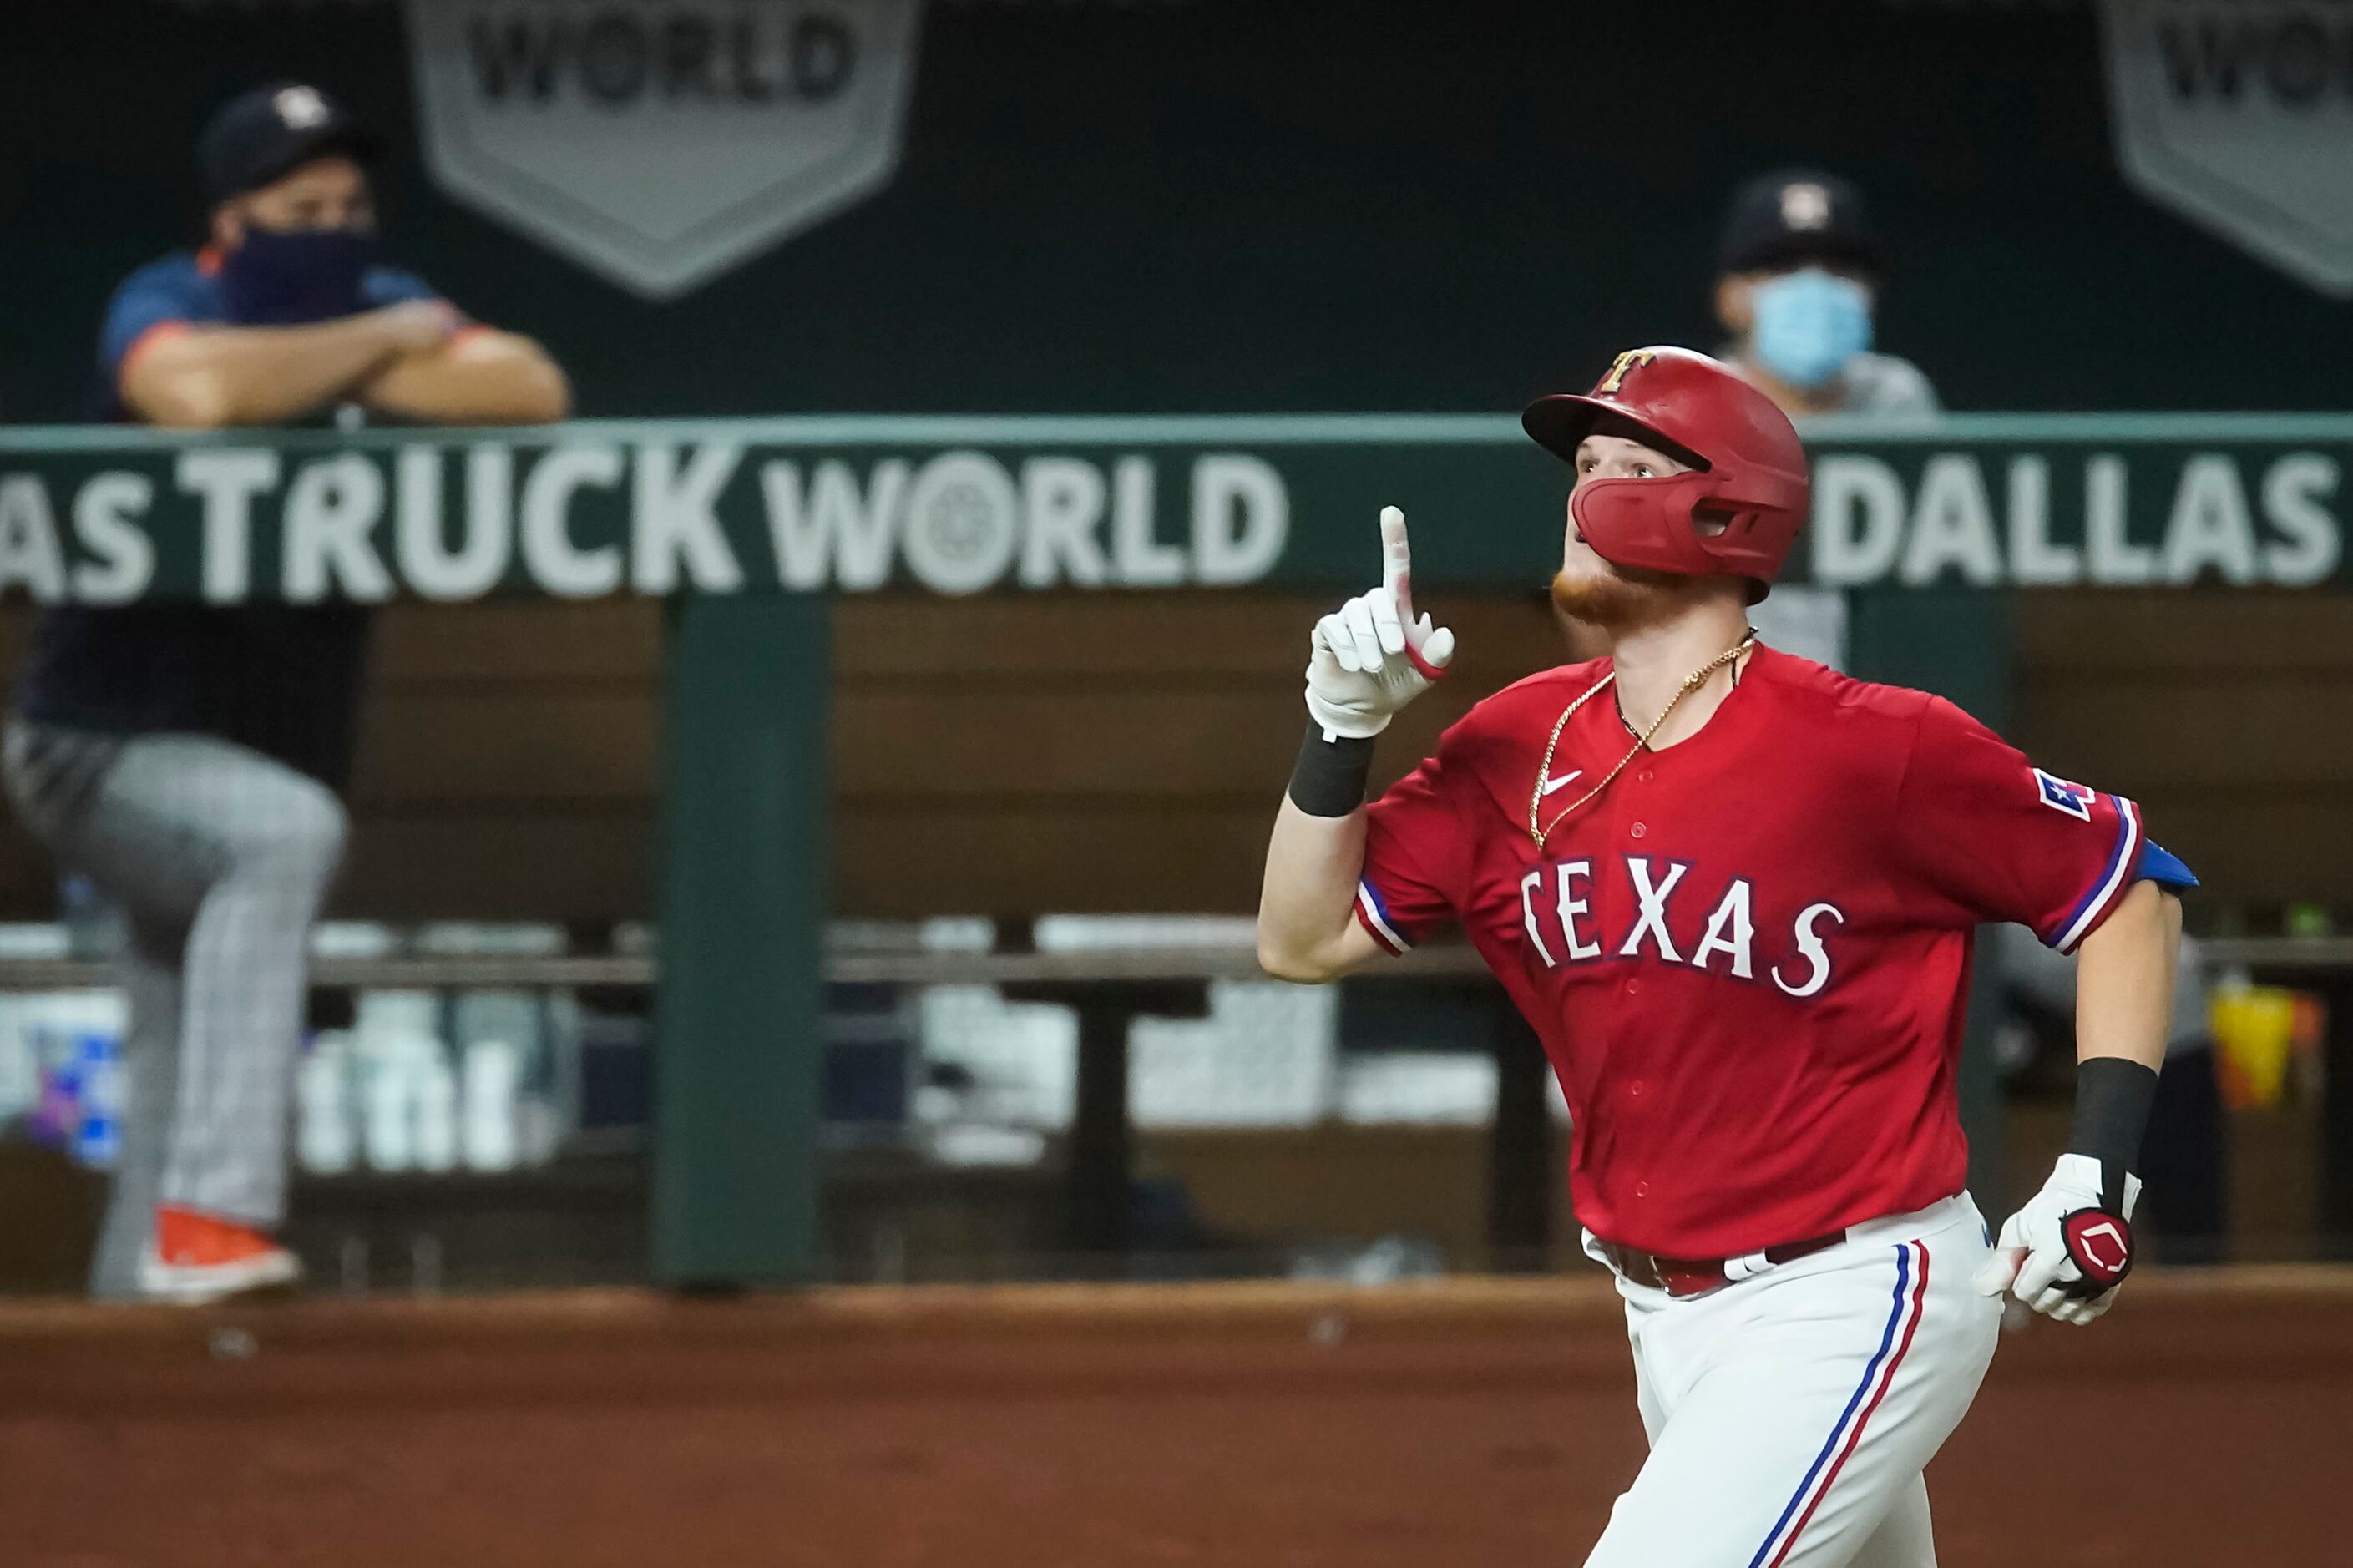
(1749, 473)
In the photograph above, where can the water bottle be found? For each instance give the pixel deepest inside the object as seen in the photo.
(394, 1033)
(326, 1141)
(435, 1088)
(98, 1060)
(493, 1078)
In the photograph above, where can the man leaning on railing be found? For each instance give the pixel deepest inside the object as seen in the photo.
(187, 758)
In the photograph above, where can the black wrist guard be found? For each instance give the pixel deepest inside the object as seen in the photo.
(1328, 780)
(2112, 1102)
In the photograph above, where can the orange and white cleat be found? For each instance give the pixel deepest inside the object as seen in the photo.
(198, 1258)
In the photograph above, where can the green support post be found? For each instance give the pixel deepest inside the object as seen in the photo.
(737, 1048)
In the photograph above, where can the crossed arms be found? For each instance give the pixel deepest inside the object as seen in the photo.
(416, 361)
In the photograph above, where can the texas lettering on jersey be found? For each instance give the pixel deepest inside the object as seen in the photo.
(1556, 905)
(1747, 956)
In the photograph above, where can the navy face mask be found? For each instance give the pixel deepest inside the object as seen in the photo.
(284, 278)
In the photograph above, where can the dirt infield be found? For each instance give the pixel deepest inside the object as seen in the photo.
(2207, 1421)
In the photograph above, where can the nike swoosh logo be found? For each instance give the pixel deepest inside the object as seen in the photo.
(1565, 780)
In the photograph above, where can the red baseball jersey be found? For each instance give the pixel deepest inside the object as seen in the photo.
(1748, 958)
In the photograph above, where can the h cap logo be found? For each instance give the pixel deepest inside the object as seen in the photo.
(1805, 205)
(299, 107)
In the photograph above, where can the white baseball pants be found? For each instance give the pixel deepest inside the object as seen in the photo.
(1790, 1415)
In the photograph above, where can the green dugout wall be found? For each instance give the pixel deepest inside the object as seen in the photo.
(750, 526)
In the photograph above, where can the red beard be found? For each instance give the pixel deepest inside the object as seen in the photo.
(1622, 599)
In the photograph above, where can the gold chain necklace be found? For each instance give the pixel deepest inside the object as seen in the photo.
(1692, 682)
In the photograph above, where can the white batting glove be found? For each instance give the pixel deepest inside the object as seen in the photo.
(2068, 1249)
(1370, 656)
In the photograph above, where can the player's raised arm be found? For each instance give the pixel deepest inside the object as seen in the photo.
(1368, 659)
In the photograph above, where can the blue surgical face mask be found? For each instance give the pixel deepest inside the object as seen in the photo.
(1808, 324)
(287, 277)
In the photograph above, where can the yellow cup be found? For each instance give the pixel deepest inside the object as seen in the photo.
(2254, 1037)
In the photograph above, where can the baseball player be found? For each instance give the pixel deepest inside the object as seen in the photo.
(1734, 892)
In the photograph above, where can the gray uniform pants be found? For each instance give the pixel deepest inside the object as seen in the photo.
(219, 856)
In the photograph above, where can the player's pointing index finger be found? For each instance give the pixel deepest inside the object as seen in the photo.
(1397, 559)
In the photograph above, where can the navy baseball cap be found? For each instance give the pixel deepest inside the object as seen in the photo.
(259, 136)
(1798, 215)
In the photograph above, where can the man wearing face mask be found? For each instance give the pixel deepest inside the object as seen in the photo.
(186, 758)
(1801, 273)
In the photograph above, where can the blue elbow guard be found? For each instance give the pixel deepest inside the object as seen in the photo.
(2159, 866)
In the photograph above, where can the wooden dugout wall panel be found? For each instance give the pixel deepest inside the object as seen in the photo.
(993, 756)
(1116, 752)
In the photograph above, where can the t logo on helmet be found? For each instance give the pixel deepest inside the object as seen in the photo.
(1619, 366)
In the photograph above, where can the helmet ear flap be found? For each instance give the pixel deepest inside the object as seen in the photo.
(1765, 511)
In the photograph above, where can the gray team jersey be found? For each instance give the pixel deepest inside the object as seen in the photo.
(1879, 385)
(1887, 387)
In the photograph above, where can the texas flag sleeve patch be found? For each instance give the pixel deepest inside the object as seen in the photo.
(2064, 794)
